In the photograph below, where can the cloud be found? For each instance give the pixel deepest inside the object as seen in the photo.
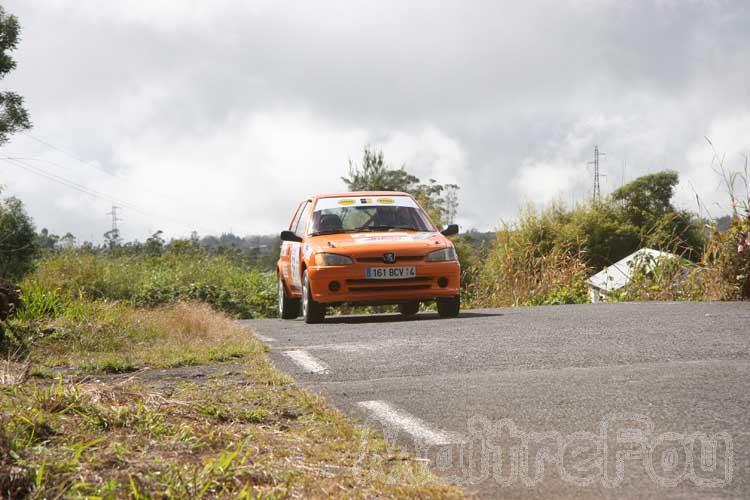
(223, 115)
(727, 148)
(540, 182)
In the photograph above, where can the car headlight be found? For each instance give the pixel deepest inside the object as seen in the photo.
(442, 255)
(332, 259)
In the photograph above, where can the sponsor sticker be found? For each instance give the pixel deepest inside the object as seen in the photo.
(369, 237)
(423, 236)
(393, 201)
(296, 276)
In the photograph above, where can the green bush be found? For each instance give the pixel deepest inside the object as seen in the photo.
(18, 242)
(522, 269)
(545, 256)
(147, 281)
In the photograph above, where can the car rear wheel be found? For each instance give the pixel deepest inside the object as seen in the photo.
(312, 311)
(288, 307)
(449, 308)
(409, 308)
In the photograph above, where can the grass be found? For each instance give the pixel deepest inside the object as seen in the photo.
(263, 439)
(149, 281)
(518, 270)
(219, 422)
(115, 337)
(204, 429)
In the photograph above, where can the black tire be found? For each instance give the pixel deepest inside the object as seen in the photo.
(408, 309)
(450, 307)
(312, 311)
(288, 306)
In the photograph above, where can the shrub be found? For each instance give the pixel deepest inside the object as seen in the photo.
(149, 281)
(545, 257)
(116, 337)
(18, 244)
(521, 270)
(9, 299)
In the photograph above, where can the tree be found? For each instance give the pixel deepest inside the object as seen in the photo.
(374, 175)
(68, 241)
(155, 244)
(646, 204)
(18, 240)
(113, 239)
(13, 116)
(47, 240)
(648, 198)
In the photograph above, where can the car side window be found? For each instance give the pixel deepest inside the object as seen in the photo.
(295, 219)
(302, 221)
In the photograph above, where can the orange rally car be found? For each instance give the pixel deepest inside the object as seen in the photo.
(365, 248)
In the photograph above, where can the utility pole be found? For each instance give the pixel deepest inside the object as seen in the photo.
(597, 190)
(115, 218)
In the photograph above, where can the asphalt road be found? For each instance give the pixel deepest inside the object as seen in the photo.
(592, 401)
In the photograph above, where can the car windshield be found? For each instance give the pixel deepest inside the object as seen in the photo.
(348, 215)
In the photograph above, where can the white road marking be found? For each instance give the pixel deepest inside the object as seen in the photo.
(263, 338)
(346, 347)
(307, 362)
(412, 425)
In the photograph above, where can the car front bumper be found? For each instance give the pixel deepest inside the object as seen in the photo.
(433, 280)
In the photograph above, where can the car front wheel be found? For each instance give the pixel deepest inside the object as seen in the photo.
(408, 309)
(288, 307)
(449, 307)
(312, 311)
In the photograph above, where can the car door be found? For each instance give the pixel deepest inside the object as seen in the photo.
(296, 249)
(286, 250)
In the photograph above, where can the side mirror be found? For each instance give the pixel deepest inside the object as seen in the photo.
(290, 236)
(450, 230)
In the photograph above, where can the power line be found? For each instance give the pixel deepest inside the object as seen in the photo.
(64, 167)
(69, 154)
(92, 192)
(86, 163)
(69, 183)
(58, 165)
(86, 190)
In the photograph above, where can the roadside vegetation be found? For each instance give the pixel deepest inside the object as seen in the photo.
(181, 272)
(233, 428)
(125, 375)
(545, 256)
(124, 372)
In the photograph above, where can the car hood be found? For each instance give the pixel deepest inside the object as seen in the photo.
(400, 242)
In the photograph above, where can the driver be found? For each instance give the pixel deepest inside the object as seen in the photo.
(387, 216)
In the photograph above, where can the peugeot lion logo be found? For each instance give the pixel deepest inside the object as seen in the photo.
(389, 258)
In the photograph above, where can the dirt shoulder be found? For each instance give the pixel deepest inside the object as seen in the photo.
(238, 428)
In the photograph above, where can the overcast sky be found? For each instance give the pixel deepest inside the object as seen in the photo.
(222, 115)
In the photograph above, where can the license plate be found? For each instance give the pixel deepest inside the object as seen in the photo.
(391, 273)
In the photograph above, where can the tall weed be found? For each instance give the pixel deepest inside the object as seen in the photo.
(149, 281)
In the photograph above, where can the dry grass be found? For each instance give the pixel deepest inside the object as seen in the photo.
(217, 440)
(112, 337)
(13, 372)
(241, 429)
(518, 271)
(721, 274)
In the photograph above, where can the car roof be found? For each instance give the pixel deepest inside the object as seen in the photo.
(355, 194)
